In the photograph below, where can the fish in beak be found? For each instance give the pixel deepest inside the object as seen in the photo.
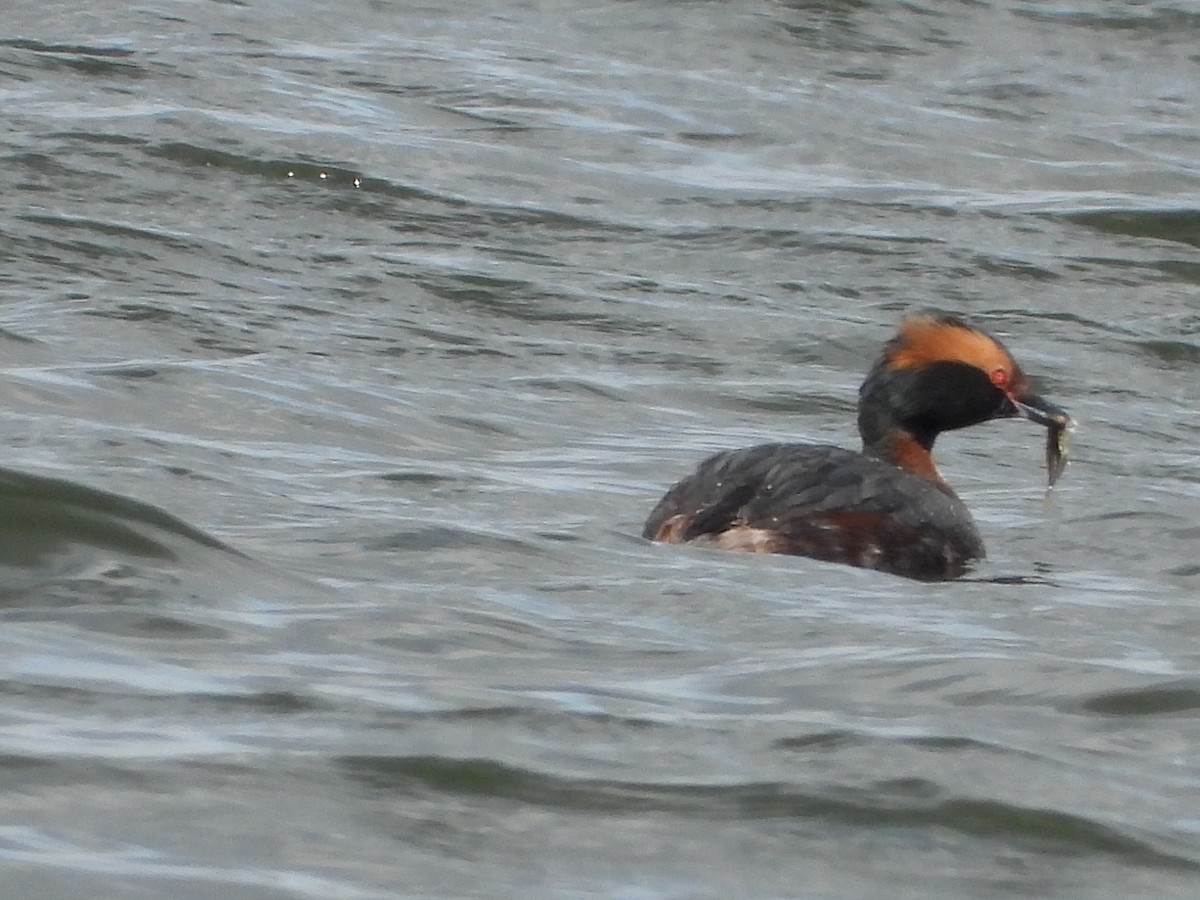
(1056, 422)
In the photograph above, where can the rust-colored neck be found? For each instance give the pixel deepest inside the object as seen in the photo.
(901, 449)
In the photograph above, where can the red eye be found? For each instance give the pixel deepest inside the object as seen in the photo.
(999, 378)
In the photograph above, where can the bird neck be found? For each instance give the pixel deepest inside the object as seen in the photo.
(895, 422)
(900, 448)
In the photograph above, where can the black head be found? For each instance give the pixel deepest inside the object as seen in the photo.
(939, 374)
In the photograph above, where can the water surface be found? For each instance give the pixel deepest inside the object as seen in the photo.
(344, 351)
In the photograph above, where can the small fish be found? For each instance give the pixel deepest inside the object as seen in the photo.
(1056, 448)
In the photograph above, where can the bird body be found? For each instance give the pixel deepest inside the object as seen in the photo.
(887, 507)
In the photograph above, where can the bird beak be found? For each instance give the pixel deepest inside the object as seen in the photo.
(1035, 409)
(1056, 422)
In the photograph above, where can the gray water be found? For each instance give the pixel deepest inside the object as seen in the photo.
(345, 347)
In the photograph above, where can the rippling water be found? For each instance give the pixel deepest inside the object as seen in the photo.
(345, 349)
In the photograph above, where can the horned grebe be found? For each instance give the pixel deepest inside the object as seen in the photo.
(888, 507)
